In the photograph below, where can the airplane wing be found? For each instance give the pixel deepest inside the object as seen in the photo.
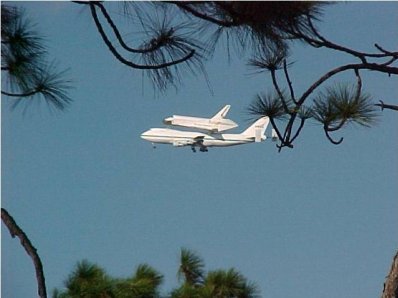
(183, 143)
(196, 141)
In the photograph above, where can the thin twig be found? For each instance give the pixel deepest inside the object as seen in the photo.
(330, 138)
(278, 90)
(394, 54)
(271, 119)
(26, 94)
(298, 130)
(117, 33)
(368, 66)
(386, 106)
(336, 127)
(289, 82)
(359, 84)
(327, 43)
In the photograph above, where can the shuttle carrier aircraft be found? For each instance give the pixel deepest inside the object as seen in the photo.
(212, 138)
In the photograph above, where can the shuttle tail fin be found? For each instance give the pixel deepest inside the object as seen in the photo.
(257, 129)
(222, 113)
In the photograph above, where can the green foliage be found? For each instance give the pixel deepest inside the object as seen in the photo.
(28, 74)
(269, 59)
(334, 108)
(343, 104)
(270, 105)
(90, 281)
(144, 283)
(188, 291)
(191, 267)
(229, 283)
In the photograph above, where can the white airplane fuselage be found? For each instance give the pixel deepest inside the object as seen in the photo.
(184, 138)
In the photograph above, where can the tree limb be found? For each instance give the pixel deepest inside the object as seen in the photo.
(368, 66)
(15, 230)
(323, 42)
(390, 289)
(116, 30)
(119, 36)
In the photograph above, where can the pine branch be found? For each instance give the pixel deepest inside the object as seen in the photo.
(119, 37)
(185, 6)
(119, 57)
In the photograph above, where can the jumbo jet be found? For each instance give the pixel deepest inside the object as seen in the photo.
(178, 138)
(216, 124)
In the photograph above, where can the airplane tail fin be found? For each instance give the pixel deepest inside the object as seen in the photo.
(257, 129)
(222, 113)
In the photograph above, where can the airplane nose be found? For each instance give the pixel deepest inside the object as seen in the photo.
(144, 136)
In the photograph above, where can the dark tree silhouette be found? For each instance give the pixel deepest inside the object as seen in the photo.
(265, 30)
(24, 64)
(91, 281)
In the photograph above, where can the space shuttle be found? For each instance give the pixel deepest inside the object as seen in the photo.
(215, 124)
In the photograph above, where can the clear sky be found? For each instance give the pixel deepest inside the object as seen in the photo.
(316, 221)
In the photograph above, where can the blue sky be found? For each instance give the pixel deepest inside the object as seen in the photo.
(316, 221)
